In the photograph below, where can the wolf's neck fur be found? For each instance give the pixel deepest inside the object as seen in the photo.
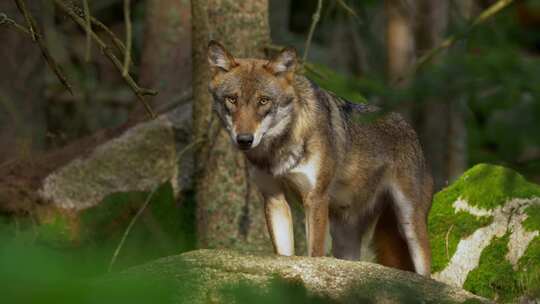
(280, 153)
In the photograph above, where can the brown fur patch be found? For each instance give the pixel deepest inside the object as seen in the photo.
(391, 248)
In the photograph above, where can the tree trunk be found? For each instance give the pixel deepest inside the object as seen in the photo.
(280, 13)
(432, 23)
(229, 212)
(457, 158)
(399, 39)
(166, 56)
(22, 89)
(399, 44)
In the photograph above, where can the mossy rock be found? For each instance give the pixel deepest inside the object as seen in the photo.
(224, 276)
(485, 234)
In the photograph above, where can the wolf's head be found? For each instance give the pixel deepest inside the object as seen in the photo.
(254, 98)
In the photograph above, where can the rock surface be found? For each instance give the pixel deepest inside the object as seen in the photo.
(485, 234)
(217, 276)
(140, 159)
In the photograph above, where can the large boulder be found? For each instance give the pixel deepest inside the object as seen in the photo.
(90, 201)
(485, 234)
(218, 276)
(143, 157)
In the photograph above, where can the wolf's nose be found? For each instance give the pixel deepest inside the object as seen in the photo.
(244, 140)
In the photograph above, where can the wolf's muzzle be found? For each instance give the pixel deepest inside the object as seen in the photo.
(244, 140)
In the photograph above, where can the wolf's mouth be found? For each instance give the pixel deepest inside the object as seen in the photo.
(244, 147)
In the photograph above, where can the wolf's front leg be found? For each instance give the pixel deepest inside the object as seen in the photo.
(280, 224)
(316, 209)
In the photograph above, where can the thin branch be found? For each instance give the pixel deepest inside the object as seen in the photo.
(4, 19)
(88, 28)
(189, 147)
(139, 92)
(348, 9)
(127, 17)
(21, 5)
(116, 41)
(448, 42)
(315, 19)
(128, 229)
(446, 240)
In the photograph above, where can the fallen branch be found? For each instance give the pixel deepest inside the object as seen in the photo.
(36, 37)
(446, 240)
(139, 92)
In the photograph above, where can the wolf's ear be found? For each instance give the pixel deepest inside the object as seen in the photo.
(219, 58)
(284, 62)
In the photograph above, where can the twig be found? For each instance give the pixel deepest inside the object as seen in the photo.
(4, 19)
(117, 42)
(21, 5)
(139, 92)
(315, 19)
(348, 9)
(128, 229)
(44, 50)
(448, 42)
(188, 147)
(127, 17)
(88, 28)
(446, 240)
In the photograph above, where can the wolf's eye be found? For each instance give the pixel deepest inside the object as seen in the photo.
(230, 99)
(264, 100)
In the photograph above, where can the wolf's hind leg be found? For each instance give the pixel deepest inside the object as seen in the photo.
(280, 224)
(390, 246)
(411, 217)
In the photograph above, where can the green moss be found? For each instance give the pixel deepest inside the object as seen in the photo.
(485, 186)
(488, 186)
(164, 228)
(528, 274)
(529, 263)
(442, 222)
(494, 277)
(56, 230)
(532, 223)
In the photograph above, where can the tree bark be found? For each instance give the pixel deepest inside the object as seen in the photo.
(432, 22)
(399, 39)
(229, 211)
(457, 137)
(399, 44)
(166, 56)
(22, 88)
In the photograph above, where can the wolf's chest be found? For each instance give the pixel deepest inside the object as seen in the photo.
(283, 163)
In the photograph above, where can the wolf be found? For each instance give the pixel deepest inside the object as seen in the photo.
(363, 183)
